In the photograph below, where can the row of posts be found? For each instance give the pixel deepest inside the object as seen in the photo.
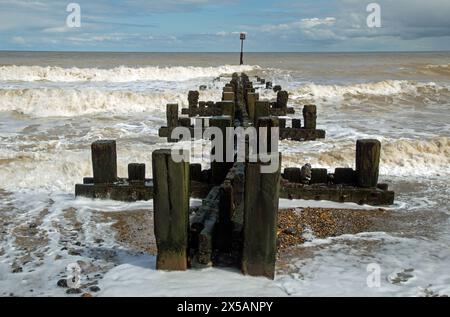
(261, 194)
(171, 189)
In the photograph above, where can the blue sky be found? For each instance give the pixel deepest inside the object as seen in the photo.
(214, 25)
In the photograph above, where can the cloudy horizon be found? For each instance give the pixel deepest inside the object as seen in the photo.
(214, 26)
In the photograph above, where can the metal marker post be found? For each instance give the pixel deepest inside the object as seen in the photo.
(243, 36)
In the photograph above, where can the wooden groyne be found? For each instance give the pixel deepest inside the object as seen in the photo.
(106, 185)
(237, 221)
(236, 224)
(345, 184)
(290, 128)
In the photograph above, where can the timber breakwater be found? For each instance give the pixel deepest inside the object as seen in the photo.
(237, 222)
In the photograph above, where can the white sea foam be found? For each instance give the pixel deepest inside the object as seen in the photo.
(58, 168)
(117, 74)
(402, 157)
(381, 88)
(47, 102)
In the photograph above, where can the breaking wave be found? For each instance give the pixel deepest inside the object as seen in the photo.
(47, 102)
(439, 69)
(117, 74)
(31, 169)
(381, 88)
(404, 157)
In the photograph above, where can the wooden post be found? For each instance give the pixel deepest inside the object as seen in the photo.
(310, 116)
(292, 174)
(319, 176)
(269, 123)
(136, 172)
(282, 99)
(171, 210)
(219, 170)
(367, 162)
(277, 88)
(184, 122)
(260, 221)
(104, 161)
(228, 96)
(172, 119)
(345, 176)
(251, 105)
(193, 98)
(296, 123)
(262, 109)
(228, 109)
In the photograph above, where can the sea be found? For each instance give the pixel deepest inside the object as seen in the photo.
(54, 105)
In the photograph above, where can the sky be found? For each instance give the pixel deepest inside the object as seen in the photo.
(214, 25)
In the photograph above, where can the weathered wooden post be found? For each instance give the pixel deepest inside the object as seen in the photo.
(262, 109)
(193, 98)
(104, 161)
(367, 162)
(277, 88)
(220, 167)
(136, 172)
(296, 123)
(260, 221)
(282, 99)
(344, 175)
(310, 116)
(319, 176)
(292, 174)
(251, 104)
(228, 109)
(171, 210)
(172, 119)
(228, 96)
(268, 123)
(184, 122)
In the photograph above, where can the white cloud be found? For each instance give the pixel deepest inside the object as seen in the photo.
(228, 34)
(311, 23)
(303, 24)
(18, 40)
(61, 29)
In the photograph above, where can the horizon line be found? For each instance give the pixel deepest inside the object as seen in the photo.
(220, 52)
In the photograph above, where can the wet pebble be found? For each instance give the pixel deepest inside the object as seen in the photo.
(72, 291)
(94, 289)
(62, 283)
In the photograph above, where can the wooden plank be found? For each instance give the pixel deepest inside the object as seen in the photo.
(171, 210)
(104, 161)
(260, 221)
(367, 162)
